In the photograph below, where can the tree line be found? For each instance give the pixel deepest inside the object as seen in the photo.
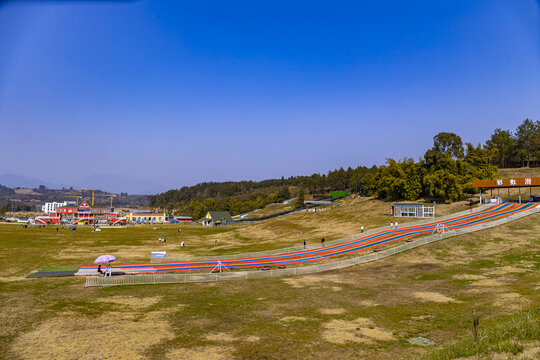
(444, 173)
(240, 197)
(518, 149)
(15, 207)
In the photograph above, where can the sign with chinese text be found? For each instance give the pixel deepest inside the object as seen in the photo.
(513, 182)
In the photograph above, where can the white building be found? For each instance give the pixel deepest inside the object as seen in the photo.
(52, 206)
(414, 210)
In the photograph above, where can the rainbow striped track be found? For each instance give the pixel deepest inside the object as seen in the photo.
(323, 253)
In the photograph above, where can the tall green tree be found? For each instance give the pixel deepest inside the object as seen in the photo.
(504, 142)
(300, 200)
(527, 136)
(398, 180)
(478, 163)
(444, 185)
(283, 194)
(447, 148)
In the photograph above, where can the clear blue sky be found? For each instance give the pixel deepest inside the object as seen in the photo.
(177, 92)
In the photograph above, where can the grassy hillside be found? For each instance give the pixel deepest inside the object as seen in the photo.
(366, 311)
(519, 172)
(290, 230)
(271, 209)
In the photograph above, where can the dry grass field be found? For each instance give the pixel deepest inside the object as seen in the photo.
(290, 230)
(366, 311)
(271, 209)
(519, 172)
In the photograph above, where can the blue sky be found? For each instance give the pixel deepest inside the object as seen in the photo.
(153, 95)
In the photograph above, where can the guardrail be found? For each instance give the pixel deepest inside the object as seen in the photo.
(316, 245)
(310, 269)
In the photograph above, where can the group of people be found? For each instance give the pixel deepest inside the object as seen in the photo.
(162, 240)
(322, 242)
(393, 226)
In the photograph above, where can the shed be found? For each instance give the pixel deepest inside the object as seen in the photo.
(216, 218)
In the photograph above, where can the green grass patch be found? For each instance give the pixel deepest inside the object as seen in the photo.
(51, 269)
(504, 335)
(289, 316)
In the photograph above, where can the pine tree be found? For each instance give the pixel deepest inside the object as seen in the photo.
(300, 199)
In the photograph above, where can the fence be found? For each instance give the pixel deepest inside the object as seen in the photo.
(310, 269)
(316, 245)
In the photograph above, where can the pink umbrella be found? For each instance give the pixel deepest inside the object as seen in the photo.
(104, 259)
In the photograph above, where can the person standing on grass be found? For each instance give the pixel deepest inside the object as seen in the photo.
(182, 244)
(395, 225)
(304, 244)
(391, 225)
(322, 242)
(362, 229)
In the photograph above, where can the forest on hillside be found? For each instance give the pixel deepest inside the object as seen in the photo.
(444, 173)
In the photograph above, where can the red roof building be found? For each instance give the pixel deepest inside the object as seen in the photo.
(85, 213)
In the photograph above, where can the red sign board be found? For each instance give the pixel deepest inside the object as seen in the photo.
(505, 183)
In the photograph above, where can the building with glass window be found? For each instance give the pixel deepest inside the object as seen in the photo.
(51, 207)
(84, 213)
(414, 210)
(146, 217)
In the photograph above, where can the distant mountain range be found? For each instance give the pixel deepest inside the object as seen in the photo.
(14, 181)
(114, 183)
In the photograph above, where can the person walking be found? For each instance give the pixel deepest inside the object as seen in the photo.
(391, 225)
(395, 225)
(362, 229)
(304, 244)
(322, 242)
(182, 244)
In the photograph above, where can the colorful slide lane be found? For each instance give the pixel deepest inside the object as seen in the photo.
(313, 255)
